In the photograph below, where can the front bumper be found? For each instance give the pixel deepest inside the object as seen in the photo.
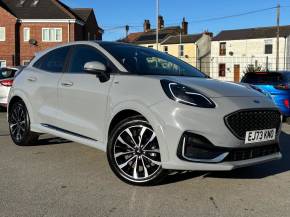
(175, 119)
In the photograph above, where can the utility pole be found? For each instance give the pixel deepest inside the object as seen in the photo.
(278, 36)
(157, 21)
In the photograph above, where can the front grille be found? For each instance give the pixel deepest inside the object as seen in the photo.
(249, 120)
(250, 153)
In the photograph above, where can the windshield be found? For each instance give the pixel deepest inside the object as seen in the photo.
(6, 73)
(146, 61)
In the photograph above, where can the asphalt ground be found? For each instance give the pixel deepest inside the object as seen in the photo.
(59, 178)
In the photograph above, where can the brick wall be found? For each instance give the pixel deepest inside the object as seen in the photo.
(90, 29)
(27, 50)
(14, 50)
(7, 47)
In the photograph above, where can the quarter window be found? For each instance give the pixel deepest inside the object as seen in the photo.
(53, 61)
(83, 54)
(52, 34)
(2, 34)
(26, 34)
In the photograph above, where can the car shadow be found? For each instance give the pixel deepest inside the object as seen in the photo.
(252, 172)
(51, 141)
(2, 109)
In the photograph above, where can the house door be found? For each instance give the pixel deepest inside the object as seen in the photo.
(237, 73)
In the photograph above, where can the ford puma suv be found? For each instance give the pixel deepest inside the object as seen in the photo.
(150, 112)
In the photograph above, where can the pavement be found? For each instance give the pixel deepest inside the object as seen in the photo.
(59, 178)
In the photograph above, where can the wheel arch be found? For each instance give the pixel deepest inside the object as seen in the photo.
(20, 96)
(132, 109)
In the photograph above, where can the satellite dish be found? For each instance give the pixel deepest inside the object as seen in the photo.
(33, 42)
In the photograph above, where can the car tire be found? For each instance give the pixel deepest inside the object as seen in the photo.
(133, 153)
(19, 125)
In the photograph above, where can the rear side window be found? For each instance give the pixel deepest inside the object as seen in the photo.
(81, 55)
(53, 61)
(263, 78)
(7, 73)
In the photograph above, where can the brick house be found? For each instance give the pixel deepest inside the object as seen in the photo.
(29, 26)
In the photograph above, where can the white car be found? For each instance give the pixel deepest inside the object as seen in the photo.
(149, 111)
(6, 81)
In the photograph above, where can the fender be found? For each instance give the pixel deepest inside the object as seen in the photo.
(18, 93)
(144, 110)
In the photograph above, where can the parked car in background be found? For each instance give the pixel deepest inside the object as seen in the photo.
(150, 111)
(276, 84)
(6, 81)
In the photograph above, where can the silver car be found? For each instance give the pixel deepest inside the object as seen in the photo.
(150, 111)
(6, 81)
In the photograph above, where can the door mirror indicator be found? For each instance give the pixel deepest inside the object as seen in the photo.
(99, 69)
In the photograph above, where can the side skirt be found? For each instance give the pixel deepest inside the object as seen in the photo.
(53, 130)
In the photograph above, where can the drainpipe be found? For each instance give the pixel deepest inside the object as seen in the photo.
(68, 30)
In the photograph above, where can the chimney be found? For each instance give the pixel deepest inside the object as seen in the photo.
(160, 22)
(184, 27)
(147, 25)
(206, 32)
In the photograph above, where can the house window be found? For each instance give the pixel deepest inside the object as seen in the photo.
(268, 48)
(26, 34)
(2, 34)
(2, 63)
(165, 49)
(52, 34)
(223, 49)
(222, 70)
(25, 62)
(181, 50)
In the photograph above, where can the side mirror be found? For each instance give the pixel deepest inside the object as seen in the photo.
(99, 69)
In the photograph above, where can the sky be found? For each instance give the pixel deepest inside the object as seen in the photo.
(113, 14)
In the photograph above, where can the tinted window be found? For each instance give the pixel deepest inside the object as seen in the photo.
(7, 73)
(140, 60)
(263, 78)
(287, 75)
(53, 61)
(83, 54)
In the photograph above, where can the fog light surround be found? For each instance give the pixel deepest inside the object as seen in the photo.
(196, 148)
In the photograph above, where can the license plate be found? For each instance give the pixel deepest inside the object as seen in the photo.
(260, 136)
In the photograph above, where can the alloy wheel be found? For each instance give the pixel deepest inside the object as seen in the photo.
(136, 153)
(18, 122)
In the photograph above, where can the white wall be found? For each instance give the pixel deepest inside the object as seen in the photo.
(245, 52)
(203, 55)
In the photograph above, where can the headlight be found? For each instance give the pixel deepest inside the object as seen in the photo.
(186, 95)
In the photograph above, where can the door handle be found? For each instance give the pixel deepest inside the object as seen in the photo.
(67, 84)
(32, 79)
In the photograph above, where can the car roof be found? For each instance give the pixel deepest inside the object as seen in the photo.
(269, 73)
(10, 68)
